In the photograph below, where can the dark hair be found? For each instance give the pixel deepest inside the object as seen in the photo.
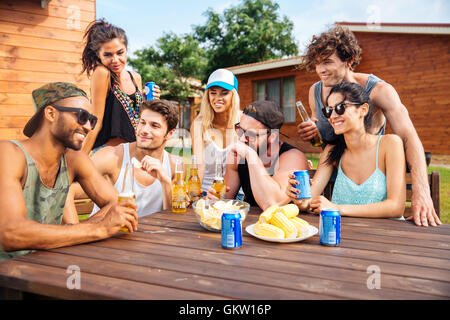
(165, 108)
(97, 33)
(352, 92)
(338, 39)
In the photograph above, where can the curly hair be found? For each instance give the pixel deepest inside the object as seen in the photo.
(338, 39)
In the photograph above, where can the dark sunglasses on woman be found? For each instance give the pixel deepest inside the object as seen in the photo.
(83, 115)
(339, 108)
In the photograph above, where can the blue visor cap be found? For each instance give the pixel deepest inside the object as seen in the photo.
(222, 78)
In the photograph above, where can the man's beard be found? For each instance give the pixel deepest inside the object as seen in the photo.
(330, 83)
(149, 146)
(66, 137)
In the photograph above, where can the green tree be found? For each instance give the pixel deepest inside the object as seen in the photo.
(252, 31)
(170, 64)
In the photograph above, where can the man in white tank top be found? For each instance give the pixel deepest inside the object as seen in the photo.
(153, 181)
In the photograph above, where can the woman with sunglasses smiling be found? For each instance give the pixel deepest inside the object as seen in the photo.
(371, 169)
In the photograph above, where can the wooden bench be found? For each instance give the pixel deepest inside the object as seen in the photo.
(84, 206)
(434, 180)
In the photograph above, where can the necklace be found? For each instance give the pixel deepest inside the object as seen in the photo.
(128, 105)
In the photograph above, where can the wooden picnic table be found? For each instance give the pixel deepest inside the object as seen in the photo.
(172, 257)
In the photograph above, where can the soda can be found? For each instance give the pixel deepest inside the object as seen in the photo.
(231, 230)
(304, 185)
(330, 227)
(149, 91)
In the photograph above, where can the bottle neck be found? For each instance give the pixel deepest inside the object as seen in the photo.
(302, 112)
(179, 175)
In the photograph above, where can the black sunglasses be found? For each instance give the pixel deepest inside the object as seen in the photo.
(249, 135)
(83, 115)
(339, 108)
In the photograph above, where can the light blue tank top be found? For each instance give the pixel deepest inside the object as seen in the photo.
(325, 128)
(373, 190)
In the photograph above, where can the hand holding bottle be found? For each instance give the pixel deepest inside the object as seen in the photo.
(307, 129)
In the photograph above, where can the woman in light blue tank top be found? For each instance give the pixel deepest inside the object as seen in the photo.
(371, 168)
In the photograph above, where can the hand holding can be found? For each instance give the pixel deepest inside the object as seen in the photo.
(151, 90)
(303, 184)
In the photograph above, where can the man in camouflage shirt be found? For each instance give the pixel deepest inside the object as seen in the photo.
(36, 174)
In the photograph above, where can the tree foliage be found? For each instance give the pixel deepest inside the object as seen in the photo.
(250, 32)
(170, 64)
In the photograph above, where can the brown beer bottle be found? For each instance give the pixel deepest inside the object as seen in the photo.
(194, 183)
(219, 184)
(127, 189)
(179, 189)
(317, 140)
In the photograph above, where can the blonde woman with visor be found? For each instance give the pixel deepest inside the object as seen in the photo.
(213, 131)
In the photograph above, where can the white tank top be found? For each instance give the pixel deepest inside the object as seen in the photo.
(149, 199)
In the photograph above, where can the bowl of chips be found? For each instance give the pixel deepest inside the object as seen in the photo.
(209, 211)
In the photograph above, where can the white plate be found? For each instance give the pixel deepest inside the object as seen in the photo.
(312, 231)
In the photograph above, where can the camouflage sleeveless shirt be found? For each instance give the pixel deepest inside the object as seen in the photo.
(44, 205)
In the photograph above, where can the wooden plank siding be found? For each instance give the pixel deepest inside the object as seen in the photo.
(38, 45)
(417, 65)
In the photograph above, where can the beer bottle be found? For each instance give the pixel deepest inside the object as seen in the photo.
(127, 190)
(179, 189)
(194, 183)
(219, 181)
(317, 140)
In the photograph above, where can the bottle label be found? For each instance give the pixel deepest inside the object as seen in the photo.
(179, 195)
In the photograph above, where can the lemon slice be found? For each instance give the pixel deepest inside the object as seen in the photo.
(136, 163)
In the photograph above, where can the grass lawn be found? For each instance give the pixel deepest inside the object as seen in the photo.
(82, 217)
(181, 152)
(315, 162)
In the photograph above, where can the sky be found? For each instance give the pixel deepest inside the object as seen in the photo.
(145, 21)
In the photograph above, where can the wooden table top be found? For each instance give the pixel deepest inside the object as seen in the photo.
(172, 257)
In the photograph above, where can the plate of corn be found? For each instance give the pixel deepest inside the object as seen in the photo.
(281, 224)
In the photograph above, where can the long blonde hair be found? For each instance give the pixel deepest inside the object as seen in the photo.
(206, 113)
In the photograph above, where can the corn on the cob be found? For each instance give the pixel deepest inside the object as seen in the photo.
(267, 214)
(279, 220)
(268, 230)
(290, 210)
(301, 225)
(300, 220)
